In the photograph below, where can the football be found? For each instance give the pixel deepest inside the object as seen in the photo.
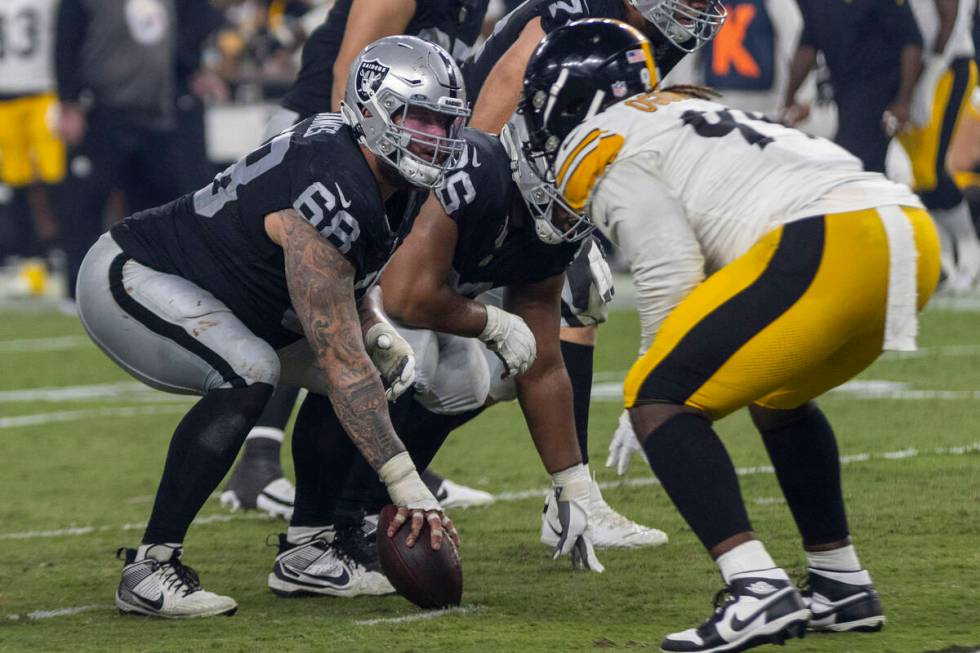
(429, 579)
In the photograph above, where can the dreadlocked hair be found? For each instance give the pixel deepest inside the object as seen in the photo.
(693, 91)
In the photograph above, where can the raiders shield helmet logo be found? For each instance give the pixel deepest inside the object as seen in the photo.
(370, 74)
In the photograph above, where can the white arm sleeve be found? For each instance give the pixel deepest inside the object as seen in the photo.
(638, 213)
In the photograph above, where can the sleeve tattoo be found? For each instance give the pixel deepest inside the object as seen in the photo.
(321, 286)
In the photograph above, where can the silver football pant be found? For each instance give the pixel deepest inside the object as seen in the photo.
(175, 336)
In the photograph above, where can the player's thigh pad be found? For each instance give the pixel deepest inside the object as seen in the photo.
(773, 316)
(460, 381)
(165, 330)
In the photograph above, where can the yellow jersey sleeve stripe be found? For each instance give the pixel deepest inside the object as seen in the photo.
(590, 168)
(584, 143)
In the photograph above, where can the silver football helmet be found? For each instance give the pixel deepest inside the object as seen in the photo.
(406, 102)
(689, 24)
(534, 179)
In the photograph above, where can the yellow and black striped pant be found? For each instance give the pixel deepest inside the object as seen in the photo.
(798, 314)
(927, 146)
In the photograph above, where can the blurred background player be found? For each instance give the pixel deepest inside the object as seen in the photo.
(32, 159)
(873, 51)
(939, 108)
(116, 76)
(257, 481)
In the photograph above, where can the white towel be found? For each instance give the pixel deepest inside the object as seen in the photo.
(901, 319)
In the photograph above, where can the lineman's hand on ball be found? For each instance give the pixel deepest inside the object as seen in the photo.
(509, 337)
(393, 357)
(624, 444)
(415, 502)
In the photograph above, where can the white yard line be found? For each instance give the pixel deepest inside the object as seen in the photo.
(87, 413)
(761, 469)
(59, 612)
(422, 616)
(63, 343)
(122, 391)
(221, 518)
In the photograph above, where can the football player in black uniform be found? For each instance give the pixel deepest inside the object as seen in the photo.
(213, 293)
(352, 24)
(473, 234)
(257, 481)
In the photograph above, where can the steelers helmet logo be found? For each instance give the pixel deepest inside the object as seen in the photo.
(370, 74)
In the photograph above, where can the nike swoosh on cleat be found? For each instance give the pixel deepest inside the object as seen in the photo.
(276, 499)
(837, 606)
(155, 604)
(318, 581)
(740, 624)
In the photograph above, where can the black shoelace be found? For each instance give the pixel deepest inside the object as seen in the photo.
(353, 544)
(179, 577)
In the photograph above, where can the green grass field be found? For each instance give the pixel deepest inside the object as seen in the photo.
(78, 470)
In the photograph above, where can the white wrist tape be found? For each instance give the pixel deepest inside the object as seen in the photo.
(405, 486)
(576, 483)
(494, 328)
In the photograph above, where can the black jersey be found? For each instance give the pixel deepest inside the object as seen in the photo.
(453, 24)
(497, 245)
(216, 237)
(554, 14)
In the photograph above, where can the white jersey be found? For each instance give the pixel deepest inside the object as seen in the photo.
(26, 46)
(960, 43)
(686, 186)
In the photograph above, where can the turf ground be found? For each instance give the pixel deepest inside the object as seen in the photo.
(79, 465)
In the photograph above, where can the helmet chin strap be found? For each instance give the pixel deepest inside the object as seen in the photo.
(415, 170)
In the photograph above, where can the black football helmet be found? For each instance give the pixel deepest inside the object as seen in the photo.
(577, 71)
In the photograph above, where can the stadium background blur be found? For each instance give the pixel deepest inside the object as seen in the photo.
(236, 59)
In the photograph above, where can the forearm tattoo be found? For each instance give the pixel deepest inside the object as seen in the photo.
(321, 285)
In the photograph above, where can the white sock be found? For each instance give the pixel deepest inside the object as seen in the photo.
(162, 551)
(268, 432)
(842, 559)
(303, 534)
(752, 557)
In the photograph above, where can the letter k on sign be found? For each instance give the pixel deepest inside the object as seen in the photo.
(729, 46)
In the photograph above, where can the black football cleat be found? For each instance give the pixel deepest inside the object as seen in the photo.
(841, 606)
(752, 611)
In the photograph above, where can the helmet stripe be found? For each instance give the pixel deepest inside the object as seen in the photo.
(584, 143)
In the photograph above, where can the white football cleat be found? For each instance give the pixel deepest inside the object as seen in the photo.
(454, 495)
(319, 567)
(610, 530)
(160, 585)
(259, 486)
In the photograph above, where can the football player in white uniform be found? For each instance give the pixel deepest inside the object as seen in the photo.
(769, 269)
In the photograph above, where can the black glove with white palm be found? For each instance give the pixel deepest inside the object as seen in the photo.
(415, 503)
(508, 336)
(568, 517)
